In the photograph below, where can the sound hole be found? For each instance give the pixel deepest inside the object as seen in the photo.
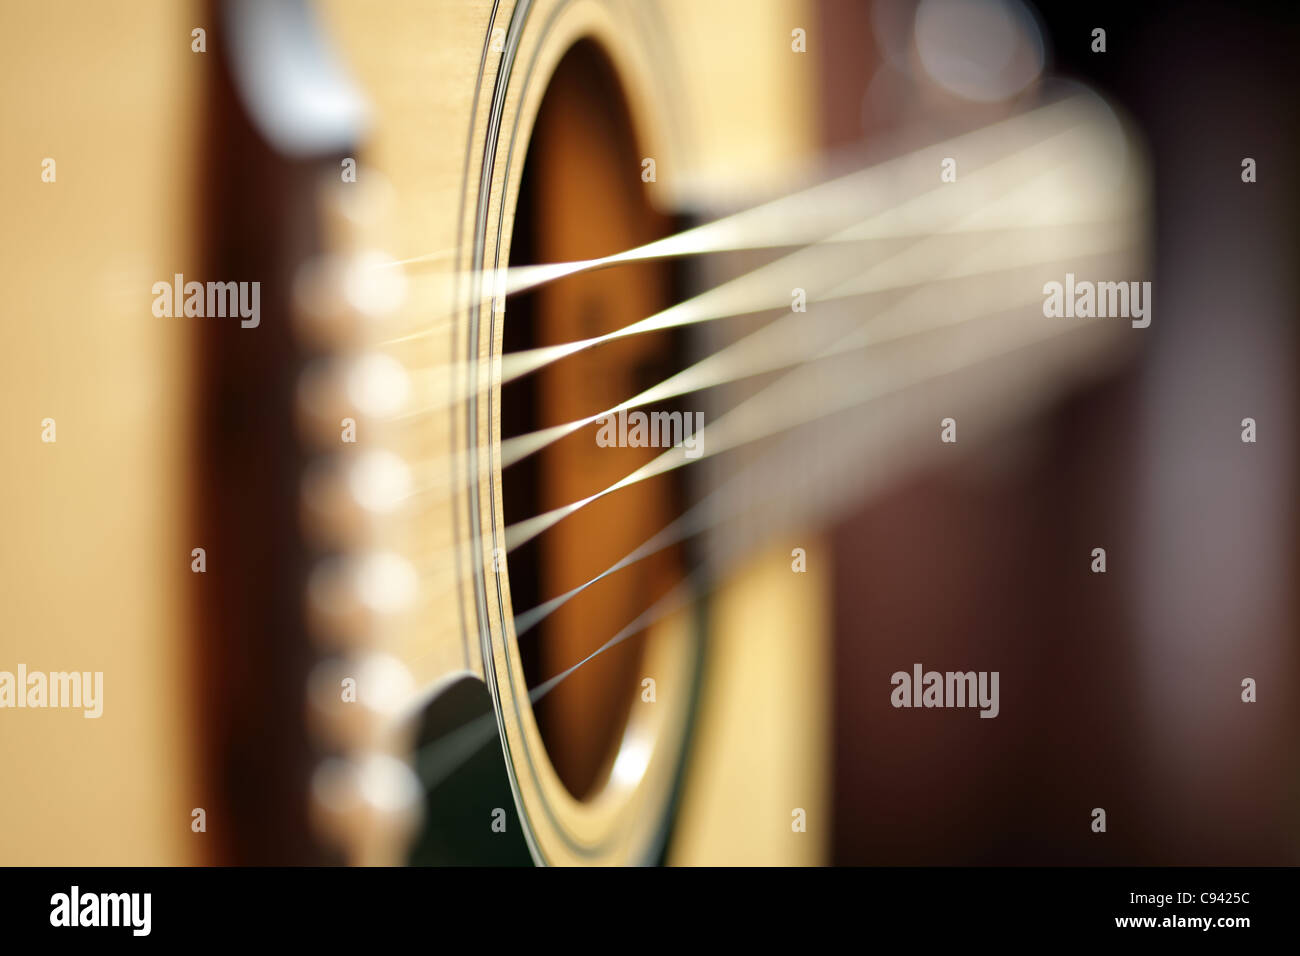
(582, 196)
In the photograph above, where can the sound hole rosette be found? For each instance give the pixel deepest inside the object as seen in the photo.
(623, 818)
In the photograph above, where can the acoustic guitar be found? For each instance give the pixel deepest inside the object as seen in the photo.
(424, 415)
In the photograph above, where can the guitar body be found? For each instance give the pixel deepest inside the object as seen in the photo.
(183, 433)
(328, 323)
(98, 523)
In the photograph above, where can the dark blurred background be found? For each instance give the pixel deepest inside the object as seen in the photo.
(1119, 690)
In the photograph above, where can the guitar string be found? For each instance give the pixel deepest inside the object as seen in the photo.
(438, 759)
(984, 304)
(961, 211)
(833, 350)
(711, 511)
(853, 340)
(758, 424)
(689, 523)
(773, 409)
(684, 592)
(804, 268)
(704, 516)
(908, 269)
(775, 346)
(944, 369)
(798, 218)
(694, 378)
(784, 342)
(749, 294)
